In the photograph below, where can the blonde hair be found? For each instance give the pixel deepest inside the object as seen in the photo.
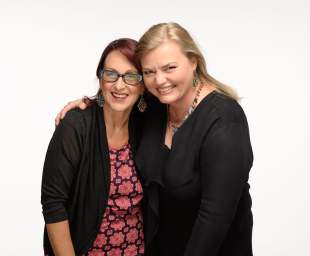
(162, 32)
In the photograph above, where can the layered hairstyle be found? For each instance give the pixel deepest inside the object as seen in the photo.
(127, 47)
(162, 32)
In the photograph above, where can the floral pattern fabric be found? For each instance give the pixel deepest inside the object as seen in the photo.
(121, 230)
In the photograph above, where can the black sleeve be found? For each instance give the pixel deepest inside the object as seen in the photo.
(60, 166)
(225, 161)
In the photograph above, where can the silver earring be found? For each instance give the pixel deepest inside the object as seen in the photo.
(100, 99)
(142, 105)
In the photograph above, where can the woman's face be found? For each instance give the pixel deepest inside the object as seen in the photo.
(118, 95)
(168, 73)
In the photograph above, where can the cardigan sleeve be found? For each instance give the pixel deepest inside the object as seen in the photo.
(225, 161)
(60, 166)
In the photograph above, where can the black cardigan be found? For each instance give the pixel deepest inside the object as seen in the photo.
(76, 174)
(199, 202)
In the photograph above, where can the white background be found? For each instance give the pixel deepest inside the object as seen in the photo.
(48, 55)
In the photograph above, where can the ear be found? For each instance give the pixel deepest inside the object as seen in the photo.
(194, 63)
(101, 85)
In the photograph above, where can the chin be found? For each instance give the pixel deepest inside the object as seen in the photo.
(167, 99)
(119, 107)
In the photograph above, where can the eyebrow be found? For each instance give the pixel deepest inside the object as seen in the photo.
(127, 71)
(167, 65)
(162, 67)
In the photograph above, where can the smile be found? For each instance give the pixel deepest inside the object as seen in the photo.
(165, 90)
(119, 96)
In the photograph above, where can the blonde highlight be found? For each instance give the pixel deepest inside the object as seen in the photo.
(159, 33)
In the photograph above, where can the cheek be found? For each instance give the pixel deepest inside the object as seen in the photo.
(148, 84)
(104, 88)
(136, 92)
(186, 77)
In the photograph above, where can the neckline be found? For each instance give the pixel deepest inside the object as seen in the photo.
(173, 126)
(125, 146)
(204, 101)
(198, 106)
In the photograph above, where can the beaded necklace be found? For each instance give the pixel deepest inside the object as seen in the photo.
(175, 126)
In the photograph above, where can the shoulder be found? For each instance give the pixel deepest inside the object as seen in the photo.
(227, 109)
(78, 119)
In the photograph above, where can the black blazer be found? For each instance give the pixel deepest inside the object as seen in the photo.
(199, 202)
(76, 174)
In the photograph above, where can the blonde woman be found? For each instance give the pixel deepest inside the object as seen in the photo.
(195, 152)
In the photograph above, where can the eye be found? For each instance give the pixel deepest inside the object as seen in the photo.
(170, 68)
(148, 72)
(132, 76)
(111, 73)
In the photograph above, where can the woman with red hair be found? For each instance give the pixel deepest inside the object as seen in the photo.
(91, 191)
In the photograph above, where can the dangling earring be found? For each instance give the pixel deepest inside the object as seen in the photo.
(100, 99)
(195, 80)
(142, 105)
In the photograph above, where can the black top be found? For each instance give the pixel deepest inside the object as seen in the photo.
(76, 174)
(199, 202)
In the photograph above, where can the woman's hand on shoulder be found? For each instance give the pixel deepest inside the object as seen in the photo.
(79, 103)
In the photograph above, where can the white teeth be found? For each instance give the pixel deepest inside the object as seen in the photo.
(165, 90)
(119, 95)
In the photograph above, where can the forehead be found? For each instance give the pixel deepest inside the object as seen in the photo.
(169, 51)
(118, 61)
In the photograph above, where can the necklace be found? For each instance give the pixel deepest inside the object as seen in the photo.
(175, 126)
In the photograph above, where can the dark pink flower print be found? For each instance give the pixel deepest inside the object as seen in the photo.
(121, 230)
(113, 172)
(117, 238)
(132, 235)
(125, 171)
(104, 225)
(112, 189)
(118, 225)
(112, 158)
(96, 252)
(131, 163)
(131, 250)
(122, 203)
(132, 221)
(115, 252)
(138, 187)
(100, 240)
(123, 155)
(141, 249)
(125, 188)
(136, 200)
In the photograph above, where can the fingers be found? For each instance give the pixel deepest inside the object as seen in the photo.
(62, 114)
(70, 105)
(57, 119)
(79, 103)
(82, 105)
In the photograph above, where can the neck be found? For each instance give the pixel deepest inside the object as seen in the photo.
(116, 126)
(179, 109)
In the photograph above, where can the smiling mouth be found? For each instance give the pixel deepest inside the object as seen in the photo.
(119, 96)
(165, 90)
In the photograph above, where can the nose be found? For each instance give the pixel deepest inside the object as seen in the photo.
(160, 78)
(119, 84)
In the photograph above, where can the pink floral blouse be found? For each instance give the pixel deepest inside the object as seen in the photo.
(121, 230)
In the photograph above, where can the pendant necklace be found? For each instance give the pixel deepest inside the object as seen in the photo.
(175, 126)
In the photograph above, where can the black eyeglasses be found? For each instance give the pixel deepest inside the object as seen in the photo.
(130, 78)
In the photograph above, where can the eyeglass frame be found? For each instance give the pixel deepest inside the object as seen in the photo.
(101, 73)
